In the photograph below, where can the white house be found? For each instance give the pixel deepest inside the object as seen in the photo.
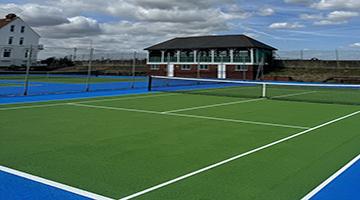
(16, 40)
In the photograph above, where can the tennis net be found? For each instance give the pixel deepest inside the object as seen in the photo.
(307, 92)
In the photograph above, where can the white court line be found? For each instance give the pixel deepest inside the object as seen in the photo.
(188, 116)
(238, 121)
(54, 184)
(234, 158)
(213, 105)
(331, 178)
(235, 102)
(128, 98)
(99, 100)
(34, 106)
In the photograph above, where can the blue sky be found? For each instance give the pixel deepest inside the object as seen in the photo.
(135, 24)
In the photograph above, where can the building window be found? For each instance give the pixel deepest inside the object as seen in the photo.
(185, 67)
(27, 53)
(204, 67)
(241, 68)
(154, 67)
(10, 40)
(12, 28)
(21, 41)
(22, 30)
(7, 53)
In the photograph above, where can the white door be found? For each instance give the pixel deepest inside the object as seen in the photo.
(170, 70)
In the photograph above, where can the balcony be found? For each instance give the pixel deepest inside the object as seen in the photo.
(187, 59)
(155, 59)
(204, 59)
(238, 59)
(222, 59)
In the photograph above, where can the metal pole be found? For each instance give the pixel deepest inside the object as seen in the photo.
(28, 65)
(74, 56)
(133, 70)
(198, 67)
(89, 70)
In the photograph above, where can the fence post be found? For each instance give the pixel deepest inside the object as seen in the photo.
(28, 65)
(133, 70)
(89, 70)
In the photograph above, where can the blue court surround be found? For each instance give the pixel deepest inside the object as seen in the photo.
(344, 187)
(14, 187)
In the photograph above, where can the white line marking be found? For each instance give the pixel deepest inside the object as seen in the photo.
(99, 100)
(128, 98)
(238, 121)
(331, 178)
(213, 105)
(292, 95)
(189, 116)
(236, 102)
(234, 158)
(54, 184)
(34, 106)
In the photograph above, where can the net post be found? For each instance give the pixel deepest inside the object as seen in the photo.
(150, 83)
(263, 90)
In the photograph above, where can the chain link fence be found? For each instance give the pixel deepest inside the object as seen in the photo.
(29, 70)
(336, 54)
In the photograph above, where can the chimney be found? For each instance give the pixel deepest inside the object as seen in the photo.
(10, 17)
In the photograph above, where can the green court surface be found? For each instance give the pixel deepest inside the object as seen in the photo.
(67, 79)
(120, 146)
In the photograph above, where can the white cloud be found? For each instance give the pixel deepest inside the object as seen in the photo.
(286, 25)
(311, 16)
(355, 45)
(337, 17)
(266, 11)
(36, 15)
(337, 4)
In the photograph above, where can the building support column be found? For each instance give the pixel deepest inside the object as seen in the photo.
(162, 56)
(252, 56)
(231, 55)
(195, 55)
(178, 56)
(212, 56)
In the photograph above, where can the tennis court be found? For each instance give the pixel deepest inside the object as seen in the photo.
(184, 145)
(40, 83)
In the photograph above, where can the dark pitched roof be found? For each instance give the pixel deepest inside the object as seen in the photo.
(207, 42)
(8, 19)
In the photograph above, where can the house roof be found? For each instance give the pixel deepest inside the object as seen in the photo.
(208, 42)
(7, 20)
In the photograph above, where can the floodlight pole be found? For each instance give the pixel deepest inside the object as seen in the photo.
(28, 65)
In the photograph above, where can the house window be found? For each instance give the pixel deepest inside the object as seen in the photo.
(185, 67)
(22, 30)
(10, 40)
(7, 53)
(154, 67)
(204, 67)
(241, 68)
(21, 41)
(12, 28)
(27, 53)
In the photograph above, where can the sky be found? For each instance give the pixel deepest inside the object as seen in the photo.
(117, 25)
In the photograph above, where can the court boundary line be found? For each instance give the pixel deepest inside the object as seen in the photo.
(54, 184)
(320, 187)
(237, 102)
(188, 116)
(235, 158)
(125, 97)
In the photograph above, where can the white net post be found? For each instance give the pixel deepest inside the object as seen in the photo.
(263, 90)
